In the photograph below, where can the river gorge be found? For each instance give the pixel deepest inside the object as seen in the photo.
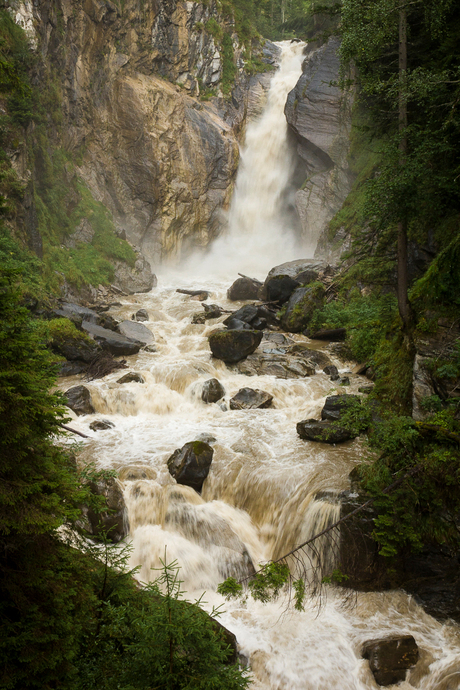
(267, 490)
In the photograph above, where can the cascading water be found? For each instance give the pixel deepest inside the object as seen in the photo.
(266, 492)
(260, 227)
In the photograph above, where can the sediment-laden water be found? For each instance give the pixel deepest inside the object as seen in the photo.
(260, 498)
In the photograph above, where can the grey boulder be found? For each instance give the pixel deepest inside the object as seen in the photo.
(79, 400)
(190, 464)
(136, 331)
(250, 399)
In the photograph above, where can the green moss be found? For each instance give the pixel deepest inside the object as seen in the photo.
(213, 28)
(229, 69)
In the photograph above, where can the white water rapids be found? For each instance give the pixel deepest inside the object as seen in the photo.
(258, 501)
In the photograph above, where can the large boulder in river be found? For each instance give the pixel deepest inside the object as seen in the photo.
(231, 346)
(336, 404)
(301, 306)
(244, 288)
(324, 432)
(390, 657)
(138, 278)
(212, 391)
(79, 400)
(250, 399)
(279, 288)
(114, 343)
(136, 331)
(190, 464)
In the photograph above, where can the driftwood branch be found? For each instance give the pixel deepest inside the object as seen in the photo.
(73, 431)
(386, 490)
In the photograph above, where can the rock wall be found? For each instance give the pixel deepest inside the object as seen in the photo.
(319, 115)
(129, 73)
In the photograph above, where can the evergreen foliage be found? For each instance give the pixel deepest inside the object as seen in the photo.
(75, 619)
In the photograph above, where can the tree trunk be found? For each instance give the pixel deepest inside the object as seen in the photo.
(403, 282)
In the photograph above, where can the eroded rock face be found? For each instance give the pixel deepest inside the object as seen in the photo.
(320, 117)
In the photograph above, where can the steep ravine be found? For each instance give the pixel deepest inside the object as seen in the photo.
(129, 77)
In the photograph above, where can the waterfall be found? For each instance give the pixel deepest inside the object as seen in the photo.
(261, 220)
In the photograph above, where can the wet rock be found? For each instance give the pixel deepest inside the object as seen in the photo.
(136, 331)
(251, 399)
(275, 363)
(212, 311)
(212, 391)
(206, 438)
(316, 357)
(72, 368)
(199, 318)
(200, 297)
(134, 279)
(325, 431)
(237, 325)
(232, 346)
(247, 314)
(79, 400)
(336, 404)
(344, 381)
(114, 520)
(114, 343)
(390, 657)
(332, 371)
(302, 303)
(107, 321)
(76, 313)
(140, 315)
(244, 288)
(332, 335)
(101, 425)
(190, 464)
(279, 288)
(131, 377)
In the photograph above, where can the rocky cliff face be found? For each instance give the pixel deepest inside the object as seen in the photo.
(129, 74)
(319, 115)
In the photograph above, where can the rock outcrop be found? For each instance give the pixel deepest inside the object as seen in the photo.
(233, 345)
(319, 115)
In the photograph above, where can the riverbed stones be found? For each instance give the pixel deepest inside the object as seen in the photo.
(275, 363)
(332, 371)
(101, 425)
(140, 315)
(212, 391)
(232, 346)
(114, 343)
(190, 464)
(251, 399)
(302, 303)
(136, 331)
(244, 288)
(390, 657)
(324, 431)
(79, 400)
(131, 377)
